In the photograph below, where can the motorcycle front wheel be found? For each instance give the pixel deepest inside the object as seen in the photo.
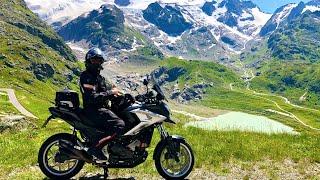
(171, 168)
(48, 159)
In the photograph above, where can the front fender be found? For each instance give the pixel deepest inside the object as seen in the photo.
(163, 142)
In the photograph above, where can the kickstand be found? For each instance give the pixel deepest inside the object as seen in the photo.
(105, 173)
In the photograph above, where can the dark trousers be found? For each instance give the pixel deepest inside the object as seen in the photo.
(105, 120)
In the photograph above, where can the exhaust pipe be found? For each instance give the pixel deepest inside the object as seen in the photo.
(68, 148)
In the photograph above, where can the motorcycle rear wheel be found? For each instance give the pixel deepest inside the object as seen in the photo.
(58, 170)
(169, 168)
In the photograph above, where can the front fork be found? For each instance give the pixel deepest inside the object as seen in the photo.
(173, 147)
(163, 133)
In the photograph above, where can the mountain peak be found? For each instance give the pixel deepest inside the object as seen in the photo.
(165, 21)
(122, 2)
(167, 18)
(237, 6)
(313, 3)
(288, 13)
(107, 22)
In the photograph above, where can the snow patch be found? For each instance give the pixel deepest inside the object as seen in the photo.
(213, 44)
(75, 47)
(311, 8)
(285, 13)
(63, 10)
(174, 39)
(260, 19)
(134, 45)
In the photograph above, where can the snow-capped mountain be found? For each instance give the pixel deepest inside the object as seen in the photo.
(171, 24)
(231, 22)
(287, 13)
(245, 16)
(60, 12)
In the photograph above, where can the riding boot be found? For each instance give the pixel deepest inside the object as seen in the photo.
(97, 154)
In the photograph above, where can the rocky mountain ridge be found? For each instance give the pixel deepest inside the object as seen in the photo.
(287, 13)
(199, 29)
(230, 24)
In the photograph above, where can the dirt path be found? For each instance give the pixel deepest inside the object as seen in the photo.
(279, 107)
(286, 100)
(250, 78)
(13, 99)
(194, 116)
(287, 112)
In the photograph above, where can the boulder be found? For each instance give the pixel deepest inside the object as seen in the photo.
(14, 122)
(42, 71)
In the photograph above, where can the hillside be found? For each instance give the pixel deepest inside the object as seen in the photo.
(33, 59)
(297, 80)
(103, 27)
(227, 154)
(286, 61)
(299, 39)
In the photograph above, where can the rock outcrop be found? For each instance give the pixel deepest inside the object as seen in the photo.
(169, 19)
(14, 123)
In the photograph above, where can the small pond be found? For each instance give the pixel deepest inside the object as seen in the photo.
(243, 122)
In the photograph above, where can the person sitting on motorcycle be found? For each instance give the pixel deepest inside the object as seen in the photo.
(95, 94)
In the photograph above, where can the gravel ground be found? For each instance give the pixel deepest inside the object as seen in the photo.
(264, 170)
(286, 170)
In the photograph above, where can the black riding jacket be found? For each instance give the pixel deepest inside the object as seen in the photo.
(95, 91)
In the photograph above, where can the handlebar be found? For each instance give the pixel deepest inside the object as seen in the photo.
(148, 98)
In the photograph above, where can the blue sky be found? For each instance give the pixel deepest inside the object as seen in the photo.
(272, 5)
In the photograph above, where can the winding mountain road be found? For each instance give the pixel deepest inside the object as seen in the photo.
(249, 78)
(14, 101)
(288, 112)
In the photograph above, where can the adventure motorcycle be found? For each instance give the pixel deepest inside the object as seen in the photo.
(63, 155)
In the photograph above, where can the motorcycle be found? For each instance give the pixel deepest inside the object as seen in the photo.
(63, 155)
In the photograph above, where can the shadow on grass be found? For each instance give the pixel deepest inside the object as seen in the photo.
(98, 177)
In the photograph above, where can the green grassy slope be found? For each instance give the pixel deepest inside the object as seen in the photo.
(220, 95)
(287, 63)
(203, 72)
(16, 13)
(212, 148)
(34, 60)
(298, 39)
(292, 80)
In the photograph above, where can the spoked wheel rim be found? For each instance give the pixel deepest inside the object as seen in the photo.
(173, 168)
(56, 168)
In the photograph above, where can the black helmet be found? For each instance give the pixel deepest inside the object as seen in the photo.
(94, 60)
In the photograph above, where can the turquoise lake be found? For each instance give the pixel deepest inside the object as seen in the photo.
(242, 122)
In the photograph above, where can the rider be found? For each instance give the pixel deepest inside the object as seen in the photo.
(95, 94)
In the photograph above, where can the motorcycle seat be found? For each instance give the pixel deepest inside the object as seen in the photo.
(76, 115)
